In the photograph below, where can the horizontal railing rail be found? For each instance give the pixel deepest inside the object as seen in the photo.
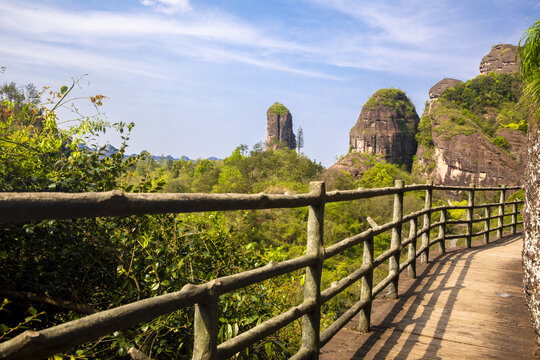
(25, 207)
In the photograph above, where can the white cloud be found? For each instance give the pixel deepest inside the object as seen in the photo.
(412, 22)
(59, 25)
(168, 6)
(209, 37)
(82, 60)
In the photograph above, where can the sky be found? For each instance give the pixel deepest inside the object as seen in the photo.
(197, 76)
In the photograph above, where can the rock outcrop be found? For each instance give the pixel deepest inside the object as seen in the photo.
(475, 134)
(437, 89)
(501, 59)
(279, 128)
(463, 159)
(386, 126)
(472, 133)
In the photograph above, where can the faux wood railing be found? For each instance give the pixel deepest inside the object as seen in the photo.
(23, 207)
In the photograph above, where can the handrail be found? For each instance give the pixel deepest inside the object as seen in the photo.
(24, 207)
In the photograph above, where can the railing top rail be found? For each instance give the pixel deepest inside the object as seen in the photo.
(20, 207)
(477, 188)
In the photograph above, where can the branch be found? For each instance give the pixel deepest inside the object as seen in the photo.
(60, 303)
(136, 354)
(371, 222)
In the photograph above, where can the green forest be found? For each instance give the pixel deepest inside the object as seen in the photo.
(56, 271)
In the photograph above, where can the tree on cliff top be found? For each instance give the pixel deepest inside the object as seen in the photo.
(529, 51)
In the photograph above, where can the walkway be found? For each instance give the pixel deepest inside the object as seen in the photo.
(466, 304)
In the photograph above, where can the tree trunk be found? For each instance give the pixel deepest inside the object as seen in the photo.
(531, 218)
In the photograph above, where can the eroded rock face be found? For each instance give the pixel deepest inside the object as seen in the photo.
(471, 157)
(437, 89)
(531, 221)
(501, 59)
(464, 159)
(279, 127)
(386, 126)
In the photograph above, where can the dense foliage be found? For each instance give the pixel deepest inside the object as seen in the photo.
(492, 90)
(55, 271)
(486, 103)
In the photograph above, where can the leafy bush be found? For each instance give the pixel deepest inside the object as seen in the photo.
(501, 142)
(382, 175)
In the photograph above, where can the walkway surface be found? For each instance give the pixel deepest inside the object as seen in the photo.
(465, 304)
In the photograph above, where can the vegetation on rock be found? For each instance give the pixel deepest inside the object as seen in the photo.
(395, 99)
(423, 136)
(484, 104)
(278, 108)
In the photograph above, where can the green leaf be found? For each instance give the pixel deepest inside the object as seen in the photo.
(63, 89)
(268, 349)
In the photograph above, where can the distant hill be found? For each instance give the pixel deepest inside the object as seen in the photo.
(110, 149)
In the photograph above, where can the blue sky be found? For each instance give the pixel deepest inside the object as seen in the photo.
(197, 76)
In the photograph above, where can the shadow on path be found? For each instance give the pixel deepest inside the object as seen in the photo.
(440, 281)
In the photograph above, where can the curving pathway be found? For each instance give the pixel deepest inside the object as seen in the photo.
(465, 304)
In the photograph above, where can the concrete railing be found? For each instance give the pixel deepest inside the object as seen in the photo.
(24, 207)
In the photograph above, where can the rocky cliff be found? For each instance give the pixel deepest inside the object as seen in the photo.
(437, 89)
(501, 59)
(279, 128)
(474, 132)
(386, 126)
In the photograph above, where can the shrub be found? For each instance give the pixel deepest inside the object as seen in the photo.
(501, 142)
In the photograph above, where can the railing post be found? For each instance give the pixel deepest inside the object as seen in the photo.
(427, 222)
(442, 232)
(514, 217)
(487, 224)
(364, 319)
(312, 284)
(395, 244)
(411, 255)
(500, 222)
(206, 329)
(470, 215)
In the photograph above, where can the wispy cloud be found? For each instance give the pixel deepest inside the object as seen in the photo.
(413, 22)
(191, 35)
(404, 37)
(83, 60)
(168, 6)
(60, 25)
